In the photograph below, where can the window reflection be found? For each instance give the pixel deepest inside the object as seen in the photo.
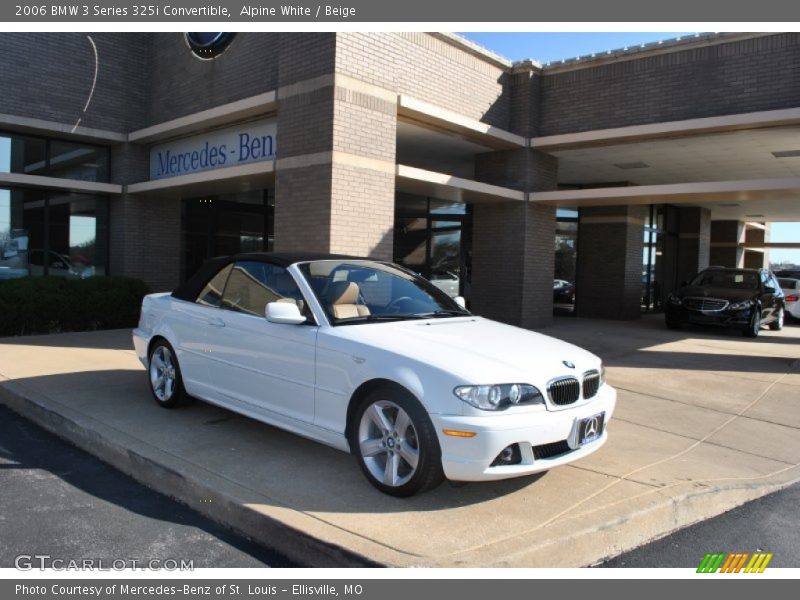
(253, 285)
(61, 235)
(53, 158)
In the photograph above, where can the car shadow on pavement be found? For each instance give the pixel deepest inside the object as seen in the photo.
(278, 467)
(697, 361)
(108, 339)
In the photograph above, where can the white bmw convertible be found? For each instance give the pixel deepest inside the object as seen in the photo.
(369, 358)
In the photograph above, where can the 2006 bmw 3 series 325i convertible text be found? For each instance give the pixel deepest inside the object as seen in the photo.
(369, 358)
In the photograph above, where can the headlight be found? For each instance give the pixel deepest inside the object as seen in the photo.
(500, 396)
(674, 300)
(740, 305)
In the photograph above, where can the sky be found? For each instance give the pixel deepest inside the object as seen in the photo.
(550, 47)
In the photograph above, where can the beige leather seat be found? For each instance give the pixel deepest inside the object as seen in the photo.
(343, 298)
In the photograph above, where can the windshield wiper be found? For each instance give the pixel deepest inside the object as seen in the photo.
(372, 318)
(444, 312)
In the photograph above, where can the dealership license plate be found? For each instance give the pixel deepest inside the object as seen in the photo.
(591, 428)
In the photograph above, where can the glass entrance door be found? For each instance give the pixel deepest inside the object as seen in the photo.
(226, 224)
(433, 238)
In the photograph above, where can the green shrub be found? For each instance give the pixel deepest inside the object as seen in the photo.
(54, 304)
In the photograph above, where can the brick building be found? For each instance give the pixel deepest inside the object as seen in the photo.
(143, 154)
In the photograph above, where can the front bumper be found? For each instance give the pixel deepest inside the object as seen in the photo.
(470, 459)
(724, 318)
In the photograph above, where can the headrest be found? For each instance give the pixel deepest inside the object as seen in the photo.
(343, 292)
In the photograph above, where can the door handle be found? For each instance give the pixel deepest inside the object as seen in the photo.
(217, 323)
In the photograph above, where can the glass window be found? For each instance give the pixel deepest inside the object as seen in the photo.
(212, 292)
(22, 154)
(226, 224)
(252, 285)
(76, 233)
(53, 158)
(366, 291)
(78, 161)
(57, 234)
(728, 278)
(433, 238)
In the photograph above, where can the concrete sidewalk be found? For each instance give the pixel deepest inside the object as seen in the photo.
(706, 420)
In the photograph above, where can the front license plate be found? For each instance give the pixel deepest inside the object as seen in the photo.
(591, 428)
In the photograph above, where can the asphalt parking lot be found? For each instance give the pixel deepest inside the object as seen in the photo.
(706, 420)
(67, 504)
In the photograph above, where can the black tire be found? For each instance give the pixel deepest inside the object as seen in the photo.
(777, 324)
(754, 327)
(428, 473)
(178, 395)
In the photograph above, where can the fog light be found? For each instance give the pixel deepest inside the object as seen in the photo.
(510, 455)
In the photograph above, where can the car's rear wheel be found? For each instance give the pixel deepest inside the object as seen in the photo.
(754, 327)
(777, 324)
(166, 382)
(395, 443)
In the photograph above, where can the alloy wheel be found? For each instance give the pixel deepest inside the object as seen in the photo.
(162, 373)
(388, 443)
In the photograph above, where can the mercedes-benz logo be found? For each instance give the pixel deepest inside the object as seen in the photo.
(207, 45)
(592, 427)
(568, 364)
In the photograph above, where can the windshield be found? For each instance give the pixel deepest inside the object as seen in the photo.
(367, 291)
(732, 279)
(788, 284)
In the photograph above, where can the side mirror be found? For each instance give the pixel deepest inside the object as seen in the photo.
(285, 313)
(460, 301)
(769, 289)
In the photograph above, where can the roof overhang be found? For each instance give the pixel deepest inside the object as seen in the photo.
(449, 121)
(766, 200)
(57, 183)
(600, 137)
(708, 191)
(240, 110)
(450, 188)
(232, 179)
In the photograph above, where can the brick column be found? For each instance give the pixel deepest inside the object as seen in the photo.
(144, 233)
(512, 247)
(725, 239)
(694, 237)
(335, 172)
(609, 277)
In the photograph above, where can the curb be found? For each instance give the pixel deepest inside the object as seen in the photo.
(295, 545)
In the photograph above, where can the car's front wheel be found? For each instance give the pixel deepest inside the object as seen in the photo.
(166, 382)
(395, 443)
(777, 324)
(753, 329)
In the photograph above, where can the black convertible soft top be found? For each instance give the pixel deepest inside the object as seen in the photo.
(191, 288)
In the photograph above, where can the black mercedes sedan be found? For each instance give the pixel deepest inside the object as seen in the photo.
(743, 299)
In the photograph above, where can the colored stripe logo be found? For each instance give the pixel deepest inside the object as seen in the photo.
(738, 562)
